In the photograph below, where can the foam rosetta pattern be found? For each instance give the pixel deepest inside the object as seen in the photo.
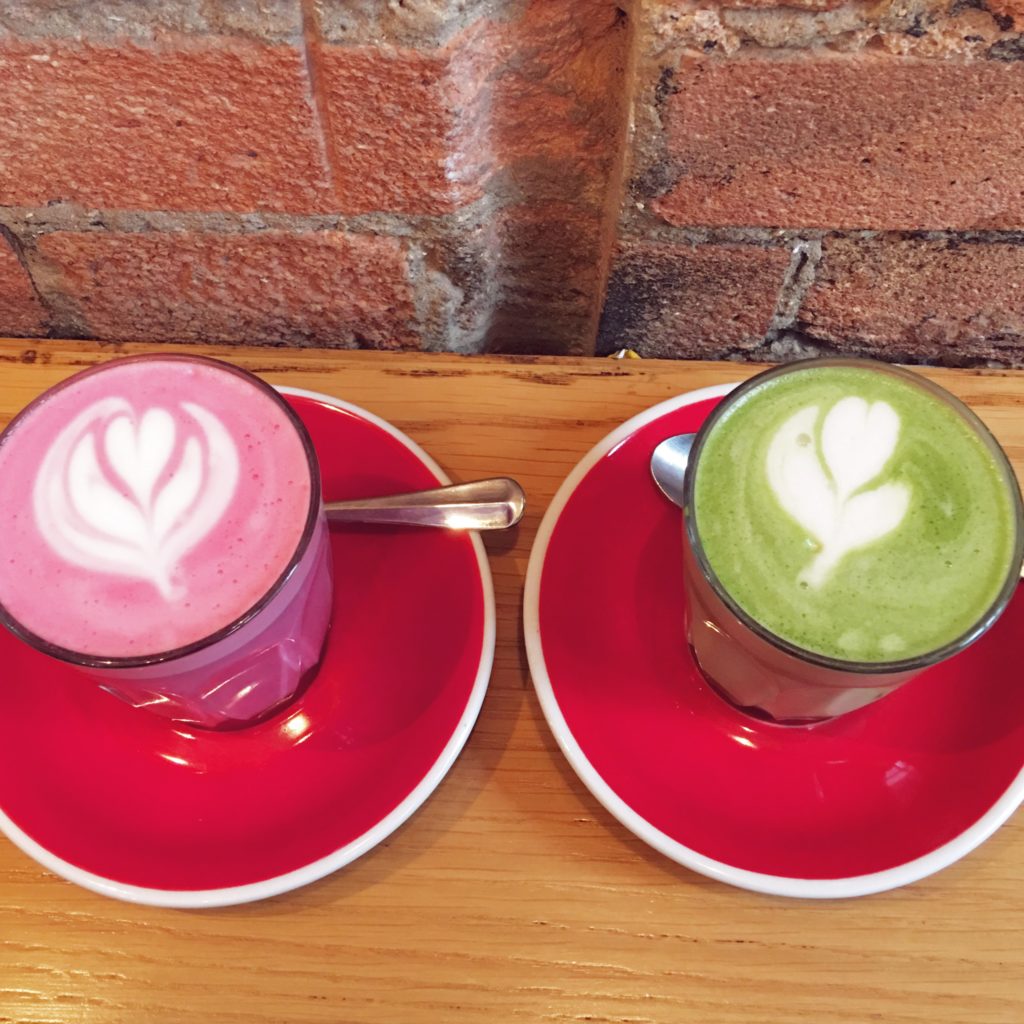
(821, 478)
(131, 492)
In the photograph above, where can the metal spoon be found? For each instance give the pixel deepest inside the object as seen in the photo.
(481, 505)
(668, 465)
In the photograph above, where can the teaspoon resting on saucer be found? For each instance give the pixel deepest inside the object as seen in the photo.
(494, 504)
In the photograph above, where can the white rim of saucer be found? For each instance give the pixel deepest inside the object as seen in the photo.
(202, 898)
(775, 885)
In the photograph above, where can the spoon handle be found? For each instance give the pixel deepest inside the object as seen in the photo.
(481, 505)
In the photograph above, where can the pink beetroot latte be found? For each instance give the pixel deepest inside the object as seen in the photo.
(161, 528)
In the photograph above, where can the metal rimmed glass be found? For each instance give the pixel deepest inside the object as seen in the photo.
(251, 665)
(771, 677)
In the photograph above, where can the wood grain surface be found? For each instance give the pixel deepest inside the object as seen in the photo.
(512, 895)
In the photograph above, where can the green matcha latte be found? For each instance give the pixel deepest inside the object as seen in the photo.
(855, 513)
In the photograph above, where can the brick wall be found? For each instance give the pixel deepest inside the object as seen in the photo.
(738, 179)
(823, 177)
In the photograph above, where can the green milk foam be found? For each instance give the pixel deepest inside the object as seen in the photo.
(916, 588)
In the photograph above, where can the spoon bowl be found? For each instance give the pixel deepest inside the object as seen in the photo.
(668, 466)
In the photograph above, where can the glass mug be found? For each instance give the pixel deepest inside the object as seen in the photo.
(770, 677)
(261, 658)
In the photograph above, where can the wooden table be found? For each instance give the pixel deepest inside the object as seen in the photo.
(512, 895)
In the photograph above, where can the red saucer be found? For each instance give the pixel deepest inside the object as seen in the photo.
(138, 807)
(868, 801)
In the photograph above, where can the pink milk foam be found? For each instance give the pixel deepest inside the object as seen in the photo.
(153, 505)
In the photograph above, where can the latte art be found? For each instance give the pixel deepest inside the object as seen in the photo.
(824, 491)
(149, 503)
(130, 494)
(852, 512)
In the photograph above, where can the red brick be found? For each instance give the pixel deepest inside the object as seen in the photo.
(223, 126)
(523, 101)
(852, 141)
(947, 302)
(690, 302)
(550, 283)
(544, 87)
(318, 288)
(389, 122)
(21, 315)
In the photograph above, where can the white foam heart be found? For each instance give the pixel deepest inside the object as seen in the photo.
(857, 440)
(140, 453)
(180, 473)
(796, 475)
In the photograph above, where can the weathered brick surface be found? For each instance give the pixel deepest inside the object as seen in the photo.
(691, 302)
(920, 28)
(1011, 9)
(512, 129)
(226, 126)
(520, 279)
(518, 107)
(808, 5)
(324, 288)
(845, 142)
(937, 301)
(272, 20)
(415, 23)
(389, 121)
(147, 20)
(549, 280)
(21, 315)
(664, 25)
(542, 100)
(482, 139)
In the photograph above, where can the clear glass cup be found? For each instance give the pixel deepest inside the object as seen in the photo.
(255, 664)
(769, 677)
